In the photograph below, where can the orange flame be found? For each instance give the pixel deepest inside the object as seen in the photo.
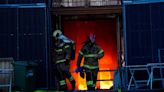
(105, 84)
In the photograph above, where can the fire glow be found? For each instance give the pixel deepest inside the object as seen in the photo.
(78, 31)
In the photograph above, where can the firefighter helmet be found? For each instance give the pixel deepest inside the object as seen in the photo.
(57, 33)
(92, 37)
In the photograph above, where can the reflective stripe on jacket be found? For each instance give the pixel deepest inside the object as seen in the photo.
(61, 54)
(91, 56)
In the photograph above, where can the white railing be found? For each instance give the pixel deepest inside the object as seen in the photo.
(84, 3)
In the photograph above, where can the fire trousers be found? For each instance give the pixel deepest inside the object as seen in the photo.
(91, 78)
(62, 72)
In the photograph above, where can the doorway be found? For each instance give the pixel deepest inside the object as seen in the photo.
(106, 38)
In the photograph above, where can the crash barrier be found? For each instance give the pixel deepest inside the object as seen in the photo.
(6, 74)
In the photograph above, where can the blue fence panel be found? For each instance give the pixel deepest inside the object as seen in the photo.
(30, 1)
(157, 18)
(21, 1)
(32, 40)
(3, 1)
(24, 37)
(144, 30)
(141, 1)
(8, 23)
(138, 33)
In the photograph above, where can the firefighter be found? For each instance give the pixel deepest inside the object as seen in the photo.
(61, 59)
(91, 53)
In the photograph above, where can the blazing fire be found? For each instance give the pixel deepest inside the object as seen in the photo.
(105, 84)
(82, 83)
(82, 87)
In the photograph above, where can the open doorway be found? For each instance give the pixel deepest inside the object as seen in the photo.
(106, 37)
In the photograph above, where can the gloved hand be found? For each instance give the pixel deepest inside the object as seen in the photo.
(81, 70)
(97, 56)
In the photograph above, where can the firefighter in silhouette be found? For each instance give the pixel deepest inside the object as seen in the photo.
(91, 53)
(61, 60)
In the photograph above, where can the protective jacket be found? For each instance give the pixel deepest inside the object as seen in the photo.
(91, 55)
(61, 53)
(61, 61)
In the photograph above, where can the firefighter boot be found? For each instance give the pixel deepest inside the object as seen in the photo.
(73, 84)
(91, 88)
(63, 88)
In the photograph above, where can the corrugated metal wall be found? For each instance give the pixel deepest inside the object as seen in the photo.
(23, 33)
(144, 32)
